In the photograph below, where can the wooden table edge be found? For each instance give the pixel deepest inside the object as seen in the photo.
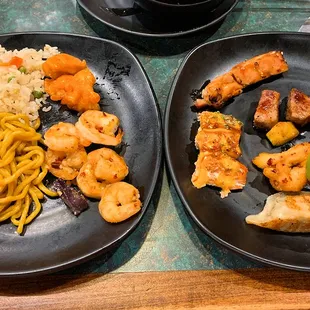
(264, 288)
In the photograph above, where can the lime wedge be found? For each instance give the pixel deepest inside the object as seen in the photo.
(308, 168)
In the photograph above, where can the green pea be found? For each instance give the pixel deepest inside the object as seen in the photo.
(37, 94)
(22, 69)
(11, 78)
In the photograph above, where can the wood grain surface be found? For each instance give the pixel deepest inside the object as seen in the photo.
(238, 289)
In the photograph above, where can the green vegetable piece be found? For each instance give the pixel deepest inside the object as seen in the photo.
(22, 69)
(37, 94)
(11, 78)
(308, 168)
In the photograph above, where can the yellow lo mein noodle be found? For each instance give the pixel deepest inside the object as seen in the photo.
(22, 170)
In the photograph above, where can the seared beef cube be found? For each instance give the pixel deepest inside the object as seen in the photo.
(298, 107)
(267, 111)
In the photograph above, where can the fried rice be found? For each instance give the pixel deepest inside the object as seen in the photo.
(20, 87)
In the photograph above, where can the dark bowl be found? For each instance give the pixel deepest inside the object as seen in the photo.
(177, 8)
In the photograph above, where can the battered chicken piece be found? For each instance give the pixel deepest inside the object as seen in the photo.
(298, 107)
(286, 171)
(58, 88)
(75, 91)
(221, 170)
(62, 64)
(249, 72)
(267, 111)
(284, 212)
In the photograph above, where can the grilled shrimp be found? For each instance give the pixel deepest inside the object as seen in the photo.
(62, 137)
(288, 175)
(287, 170)
(65, 165)
(100, 127)
(287, 178)
(109, 166)
(104, 166)
(88, 183)
(119, 202)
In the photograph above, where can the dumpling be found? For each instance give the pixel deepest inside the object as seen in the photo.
(284, 212)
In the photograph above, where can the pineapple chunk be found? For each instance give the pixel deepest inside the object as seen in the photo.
(282, 133)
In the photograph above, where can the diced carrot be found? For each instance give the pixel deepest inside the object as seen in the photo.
(15, 61)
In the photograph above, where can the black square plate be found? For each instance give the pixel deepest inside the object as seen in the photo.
(224, 219)
(57, 239)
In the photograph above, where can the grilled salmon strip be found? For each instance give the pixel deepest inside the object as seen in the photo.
(246, 73)
(221, 170)
(267, 111)
(213, 120)
(217, 140)
(219, 132)
(218, 91)
(298, 107)
(259, 68)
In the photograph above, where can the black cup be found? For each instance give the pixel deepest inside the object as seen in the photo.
(178, 8)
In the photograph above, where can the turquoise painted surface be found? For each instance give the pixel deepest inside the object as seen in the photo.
(166, 239)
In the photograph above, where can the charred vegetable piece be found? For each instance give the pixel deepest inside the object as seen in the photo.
(73, 199)
(282, 133)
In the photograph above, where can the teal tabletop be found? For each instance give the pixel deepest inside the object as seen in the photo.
(166, 239)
